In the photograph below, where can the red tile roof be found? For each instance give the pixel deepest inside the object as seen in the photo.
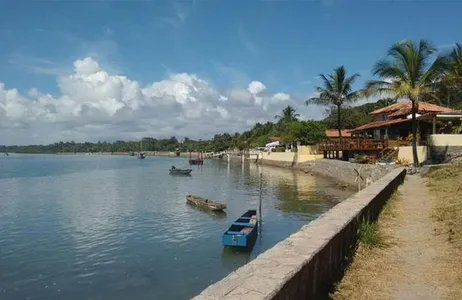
(274, 138)
(377, 124)
(333, 133)
(404, 108)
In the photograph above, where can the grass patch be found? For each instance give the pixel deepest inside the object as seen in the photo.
(369, 235)
(445, 185)
(374, 240)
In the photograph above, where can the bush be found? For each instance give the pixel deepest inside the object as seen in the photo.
(361, 158)
(280, 149)
(403, 161)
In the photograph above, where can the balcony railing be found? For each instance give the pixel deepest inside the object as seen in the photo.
(352, 144)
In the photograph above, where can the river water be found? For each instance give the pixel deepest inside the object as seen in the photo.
(117, 227)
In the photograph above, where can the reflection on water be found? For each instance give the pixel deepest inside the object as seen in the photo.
(109, 227)
(212, 214)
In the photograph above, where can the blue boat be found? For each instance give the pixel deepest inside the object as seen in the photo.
(243, 232)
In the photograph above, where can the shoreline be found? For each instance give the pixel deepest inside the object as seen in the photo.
(343, 173)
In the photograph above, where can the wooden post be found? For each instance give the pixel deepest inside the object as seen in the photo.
(434, 124)
(260, 197)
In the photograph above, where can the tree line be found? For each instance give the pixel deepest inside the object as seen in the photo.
(412, 70)
(287, 127)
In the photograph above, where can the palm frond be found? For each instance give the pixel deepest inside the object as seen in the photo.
(387, 69)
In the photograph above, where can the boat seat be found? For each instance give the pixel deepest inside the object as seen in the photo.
(244, 224)
(236, 233)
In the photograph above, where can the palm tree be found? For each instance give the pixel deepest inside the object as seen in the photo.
(337, 90)
(386, 102)
(453, 78)
(288, 114)
(407, 72)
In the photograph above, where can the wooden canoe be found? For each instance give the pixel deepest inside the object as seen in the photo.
(243, 232)
(205, 203)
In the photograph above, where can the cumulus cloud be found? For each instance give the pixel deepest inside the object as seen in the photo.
(95, 105)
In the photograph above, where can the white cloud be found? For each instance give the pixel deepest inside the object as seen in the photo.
(255, 87)
(280, 97)
(95, 105)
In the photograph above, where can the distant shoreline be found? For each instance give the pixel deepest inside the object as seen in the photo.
(148, 153)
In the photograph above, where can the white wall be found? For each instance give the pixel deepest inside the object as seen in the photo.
(445, 140)
(406, 153)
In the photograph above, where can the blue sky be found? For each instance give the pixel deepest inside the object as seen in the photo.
(228, 44)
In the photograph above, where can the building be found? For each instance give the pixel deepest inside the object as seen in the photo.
(394, 122)
(391, 133)
(333, 133)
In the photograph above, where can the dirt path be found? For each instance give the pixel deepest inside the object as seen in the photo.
(417, 248)
(414, 265)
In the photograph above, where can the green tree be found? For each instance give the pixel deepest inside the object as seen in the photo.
(409, 72)
(288, 115)
(355, 116)
(385, 102)
(306, 132)
(337, 90)
(453, 78)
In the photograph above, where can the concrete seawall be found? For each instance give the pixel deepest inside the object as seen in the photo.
(307, 263)
(344, 171)
(340, 171)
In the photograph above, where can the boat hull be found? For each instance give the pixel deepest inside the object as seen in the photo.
(243, 232)
(180, 171)
(205, 203)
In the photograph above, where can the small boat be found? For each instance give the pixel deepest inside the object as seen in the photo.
(243, 232)
(141, 154)
(180, 171)
(205, 203)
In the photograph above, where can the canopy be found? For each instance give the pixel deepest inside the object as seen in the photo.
(273, 144)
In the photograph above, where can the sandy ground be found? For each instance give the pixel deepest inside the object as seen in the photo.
(416, 262)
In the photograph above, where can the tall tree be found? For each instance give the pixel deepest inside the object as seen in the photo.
(337, 90)
(453, 78)
(411, 71)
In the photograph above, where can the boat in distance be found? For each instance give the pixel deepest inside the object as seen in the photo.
(205, 203)
(180, 171)
(243, 232)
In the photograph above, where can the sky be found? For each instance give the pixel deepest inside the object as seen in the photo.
(117, 69)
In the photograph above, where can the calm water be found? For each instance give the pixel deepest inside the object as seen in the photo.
(117, 227)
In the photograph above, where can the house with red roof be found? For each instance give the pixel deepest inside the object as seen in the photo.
(394, 122)
(390, 134)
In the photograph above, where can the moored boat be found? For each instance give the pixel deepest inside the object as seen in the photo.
(180, 171)
(243, 232)
(205, 203)
(141, 155)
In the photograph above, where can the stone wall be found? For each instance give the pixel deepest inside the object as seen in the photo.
(306, 264)
(440, 154)
(344, 171)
